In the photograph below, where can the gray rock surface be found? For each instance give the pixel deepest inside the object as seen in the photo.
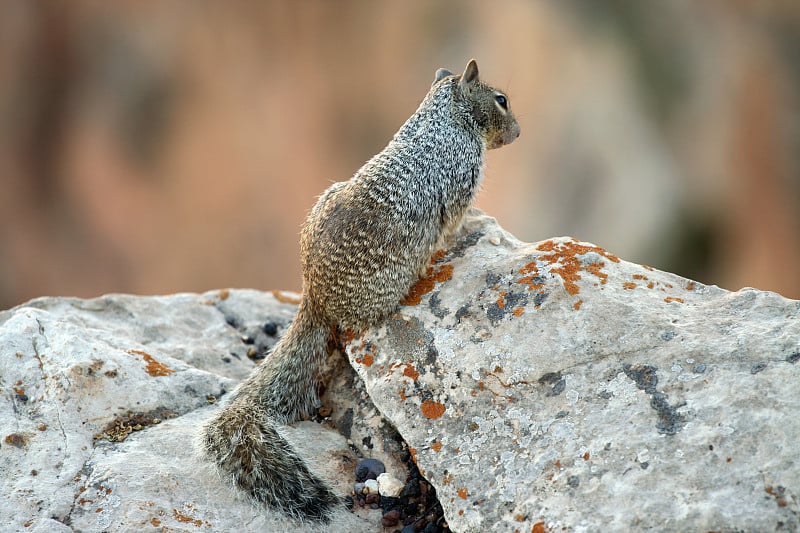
(72, 370)
(542, 387)
(554, 386)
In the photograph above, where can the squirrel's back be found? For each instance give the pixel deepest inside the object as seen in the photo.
(367, 239)
(362, 247)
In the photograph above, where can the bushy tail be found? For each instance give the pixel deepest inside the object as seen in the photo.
(242, 440)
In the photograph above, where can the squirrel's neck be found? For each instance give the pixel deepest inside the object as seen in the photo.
(437, 116)
(431, 169)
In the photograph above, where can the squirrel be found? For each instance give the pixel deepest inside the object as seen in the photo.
(363, 245)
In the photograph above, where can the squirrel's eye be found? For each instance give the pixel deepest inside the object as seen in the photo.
(500, 99)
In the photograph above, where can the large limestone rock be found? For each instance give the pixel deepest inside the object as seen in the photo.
(545, 386)
(101, 404)
(555, 386)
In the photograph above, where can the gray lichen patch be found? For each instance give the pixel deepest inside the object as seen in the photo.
(670, 421)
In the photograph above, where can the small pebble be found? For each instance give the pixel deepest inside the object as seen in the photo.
(270, 328)
(372, 498)
(388, 485)
(495, 240)
(358, 488)
(391, 518)
(369, 469)
(372, 486)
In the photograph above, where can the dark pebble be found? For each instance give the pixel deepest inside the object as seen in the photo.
(372, 498)
(408, 529)
(374, 506)
(391, 518)
(411, 489)
(431, 528)
(369, 469)
(270, 328)
(388, 503)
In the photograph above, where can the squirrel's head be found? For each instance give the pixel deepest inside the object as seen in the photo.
(489, 108)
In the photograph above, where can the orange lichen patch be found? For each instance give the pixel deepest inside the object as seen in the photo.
(154, 368)
(447, 479)
(648, 267)
(224, 294)
(529, 268)
(347, 336)
(669, 299)
(19, 391)
(462, 493)
(436, 446)
(438, 255)
(286, 298)
(501, 300)
(538, 527)
(155, 522)
(411, 372)
(19, 355)
(180, 517)
(586, 456)
(577, 305)
(594, 268)
(519, 311)
(402, 394)
(529, 280)
(651, 285)
(640, 276)
(425, 284)
(17, 440)
(432, 410)
(557, 463)
(628, 285)
(691, 286)
(566, 255)
(367, 360)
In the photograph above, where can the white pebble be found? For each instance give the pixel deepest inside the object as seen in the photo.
(372, 486)
(390, 486)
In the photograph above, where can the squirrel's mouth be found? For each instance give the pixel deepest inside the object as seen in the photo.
(502, 140)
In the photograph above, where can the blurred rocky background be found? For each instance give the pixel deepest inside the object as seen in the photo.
(157, 147)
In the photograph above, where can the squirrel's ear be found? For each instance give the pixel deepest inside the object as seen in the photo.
(440, 74)
(470, 74)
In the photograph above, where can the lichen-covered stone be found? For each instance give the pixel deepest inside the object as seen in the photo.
(555, 384)
(100, 405)
(539, 387)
